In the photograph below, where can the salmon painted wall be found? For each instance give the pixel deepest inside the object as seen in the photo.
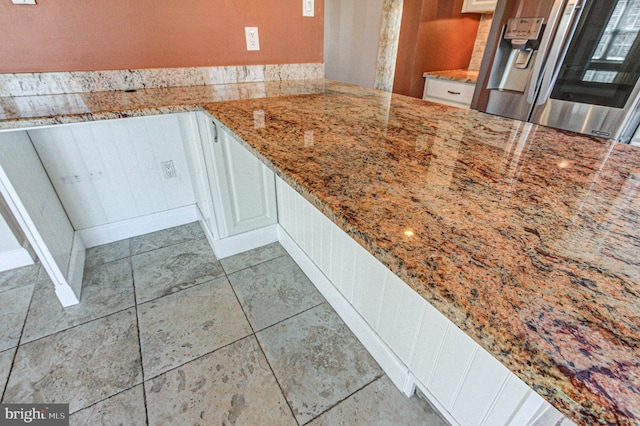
(434, 36)
(81, 35)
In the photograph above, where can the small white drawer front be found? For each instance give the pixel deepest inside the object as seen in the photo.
(454, 93)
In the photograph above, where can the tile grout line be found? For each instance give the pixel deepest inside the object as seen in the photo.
(78, 325)
(24, 324)
(144, 388)
(294, 315)
(376, 378)
(249, 267)
(183, 289)
(263, 353)
(203, 237)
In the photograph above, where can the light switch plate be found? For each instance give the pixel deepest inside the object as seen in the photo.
(23, 1)
(308, 7)
(253, 40)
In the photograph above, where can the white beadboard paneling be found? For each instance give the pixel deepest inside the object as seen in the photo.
(33, 203)
(368, 286)
(327, 243)
(22, 166)
(479, 388)
(452, 365)
(407, 323)
(109, 171)
(431, 338)
(317, 236)
(343, 257)
(392, 296)
(532, 407)
(509, 398)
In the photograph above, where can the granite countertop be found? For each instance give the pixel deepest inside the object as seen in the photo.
(525, 237)
(466, 76)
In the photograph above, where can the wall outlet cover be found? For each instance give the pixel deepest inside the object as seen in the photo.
(253, 39)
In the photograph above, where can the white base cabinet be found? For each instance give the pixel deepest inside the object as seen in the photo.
(243, 189)
(414, 343)
(448, 92)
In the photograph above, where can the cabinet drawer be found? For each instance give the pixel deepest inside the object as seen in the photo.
(448, 92)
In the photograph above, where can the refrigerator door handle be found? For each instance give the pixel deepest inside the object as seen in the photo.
(566, 28)
(541, 56)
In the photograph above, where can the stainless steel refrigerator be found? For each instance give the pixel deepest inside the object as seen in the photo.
(569, 64)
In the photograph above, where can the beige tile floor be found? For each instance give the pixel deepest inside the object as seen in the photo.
(167, 334)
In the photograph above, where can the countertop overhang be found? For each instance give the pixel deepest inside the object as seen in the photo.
(526, 237)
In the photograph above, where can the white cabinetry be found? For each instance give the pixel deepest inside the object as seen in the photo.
(88, 184)
(245, 188)
(241, 189)
(448, 92)
(479, 6)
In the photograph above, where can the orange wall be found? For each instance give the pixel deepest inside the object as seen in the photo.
(434, 36)
(81, 35)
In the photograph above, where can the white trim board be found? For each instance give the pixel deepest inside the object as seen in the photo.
(116, 231)
(239, 243)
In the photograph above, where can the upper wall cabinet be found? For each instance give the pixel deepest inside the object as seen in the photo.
(479, 6)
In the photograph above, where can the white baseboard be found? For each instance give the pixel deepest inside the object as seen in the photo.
(246, 241)
(111, 232)
(388, 361)
(12, 259)
(66, 296)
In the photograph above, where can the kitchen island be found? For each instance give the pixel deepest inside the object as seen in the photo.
(524, 237)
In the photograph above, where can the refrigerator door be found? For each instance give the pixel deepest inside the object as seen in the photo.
(593, 88)
(521, 36)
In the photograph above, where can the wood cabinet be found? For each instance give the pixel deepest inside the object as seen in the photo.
(479, 6)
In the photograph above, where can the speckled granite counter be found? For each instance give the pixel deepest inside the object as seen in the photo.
(525, 237)
(466, 76)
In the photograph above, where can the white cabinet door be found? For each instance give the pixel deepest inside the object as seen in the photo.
(243, 188)
(479, 6)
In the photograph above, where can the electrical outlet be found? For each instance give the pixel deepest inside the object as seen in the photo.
(307, 7)
(168, 170)
(253, 40)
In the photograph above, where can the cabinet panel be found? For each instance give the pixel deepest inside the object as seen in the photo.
(245, 186)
